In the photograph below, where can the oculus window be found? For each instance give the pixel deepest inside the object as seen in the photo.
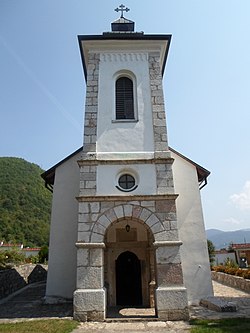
(124, 98)
(126, 183)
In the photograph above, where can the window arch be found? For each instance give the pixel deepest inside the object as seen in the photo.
(124, 98)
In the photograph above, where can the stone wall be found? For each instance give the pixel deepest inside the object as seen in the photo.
(18, 277)
(231, 281)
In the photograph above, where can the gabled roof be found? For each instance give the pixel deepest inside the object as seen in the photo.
(49, 175)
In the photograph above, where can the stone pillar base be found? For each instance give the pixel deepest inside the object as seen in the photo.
(171, 303)
(90, 304)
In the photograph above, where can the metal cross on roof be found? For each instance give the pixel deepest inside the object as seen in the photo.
(122, 9)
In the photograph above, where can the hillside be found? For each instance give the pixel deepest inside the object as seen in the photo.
(24, 203)
(222, 239)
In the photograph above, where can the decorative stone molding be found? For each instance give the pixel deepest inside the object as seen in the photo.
(129, 198)
(90, 245)
(167, 243)
(122, 57)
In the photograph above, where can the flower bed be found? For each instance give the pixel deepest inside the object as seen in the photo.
(244, 273)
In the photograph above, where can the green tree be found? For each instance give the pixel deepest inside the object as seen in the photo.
(25, 203)
(211, 251)
(43, 254)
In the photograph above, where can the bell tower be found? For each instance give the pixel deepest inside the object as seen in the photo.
(127, 207)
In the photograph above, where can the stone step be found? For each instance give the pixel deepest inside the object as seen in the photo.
(218, 304)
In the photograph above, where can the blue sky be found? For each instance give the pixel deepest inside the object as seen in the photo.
(206, 86)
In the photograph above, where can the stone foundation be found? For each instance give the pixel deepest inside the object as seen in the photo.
(172, 303)
(90, 304)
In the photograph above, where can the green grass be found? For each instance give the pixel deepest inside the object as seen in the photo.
(234, 325)
(40, 326)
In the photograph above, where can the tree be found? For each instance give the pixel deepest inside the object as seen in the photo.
(211, 251)
(43, 254)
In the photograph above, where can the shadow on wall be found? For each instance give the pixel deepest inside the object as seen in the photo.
(18, 277)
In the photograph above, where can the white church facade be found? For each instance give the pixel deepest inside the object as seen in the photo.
(127, 225)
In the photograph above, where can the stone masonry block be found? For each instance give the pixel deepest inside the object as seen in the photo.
(89, 300)
(84, 217)
(96, 257)
(119, 212)
(89, 277)
(99, 229)
(168, 255)
(145, 214)
(137, 211)
(110, 214)
(85, 226)
(152, 220)
(166, 206)
(157, 228)
(104, 221)
(168, 298)
(82, 257)
(83, 236)
(95, 207)
(128, 210)
(105, 205)
(169, 274)
(96, 238)
(83, 207)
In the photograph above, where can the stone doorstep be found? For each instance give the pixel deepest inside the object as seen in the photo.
(218, 304)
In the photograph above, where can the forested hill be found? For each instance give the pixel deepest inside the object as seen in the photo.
(24, 203)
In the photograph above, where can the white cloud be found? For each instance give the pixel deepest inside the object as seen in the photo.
(232, 220)
(242, 200)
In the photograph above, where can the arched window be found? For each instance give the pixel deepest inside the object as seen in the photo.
(124, 98)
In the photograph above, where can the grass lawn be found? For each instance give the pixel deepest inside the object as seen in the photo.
(40, 326)
(234, 325)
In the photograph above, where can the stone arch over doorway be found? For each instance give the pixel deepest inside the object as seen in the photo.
(153, 215)
(127, 211)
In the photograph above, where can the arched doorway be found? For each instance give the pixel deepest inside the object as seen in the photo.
(129, 243)
(128, 279)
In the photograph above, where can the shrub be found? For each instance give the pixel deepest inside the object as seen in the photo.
(231, 270)
(9, 258)
(244, 273)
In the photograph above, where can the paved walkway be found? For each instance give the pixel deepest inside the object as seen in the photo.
(28, 305)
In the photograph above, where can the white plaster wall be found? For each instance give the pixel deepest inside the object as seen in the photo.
(124, 136)
(194, 255)
(107, 177)
(220, 258)
(61, 281)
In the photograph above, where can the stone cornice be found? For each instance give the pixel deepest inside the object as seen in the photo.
(155, 197)
(90, 245)
(167, 243)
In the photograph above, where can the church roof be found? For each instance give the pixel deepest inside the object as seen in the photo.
(49, 175)
(87, 41)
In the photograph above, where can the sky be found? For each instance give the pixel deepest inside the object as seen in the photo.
(206, 86)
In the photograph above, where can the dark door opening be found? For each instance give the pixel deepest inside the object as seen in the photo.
(128, 279)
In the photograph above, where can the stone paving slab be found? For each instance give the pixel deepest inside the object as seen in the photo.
(29, 305)
(138, 327)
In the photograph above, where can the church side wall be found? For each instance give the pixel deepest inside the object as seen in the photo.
(194, 255)
(61, 281)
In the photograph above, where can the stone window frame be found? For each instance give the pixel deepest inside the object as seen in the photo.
(128, 172)
(130, 75)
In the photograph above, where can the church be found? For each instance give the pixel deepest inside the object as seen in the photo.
(127, 225)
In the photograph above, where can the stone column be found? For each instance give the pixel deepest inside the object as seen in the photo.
(90, 295)
(171, 295)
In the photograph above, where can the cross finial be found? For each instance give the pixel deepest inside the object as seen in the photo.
(122, 9)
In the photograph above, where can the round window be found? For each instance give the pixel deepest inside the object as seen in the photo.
(126, 183)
